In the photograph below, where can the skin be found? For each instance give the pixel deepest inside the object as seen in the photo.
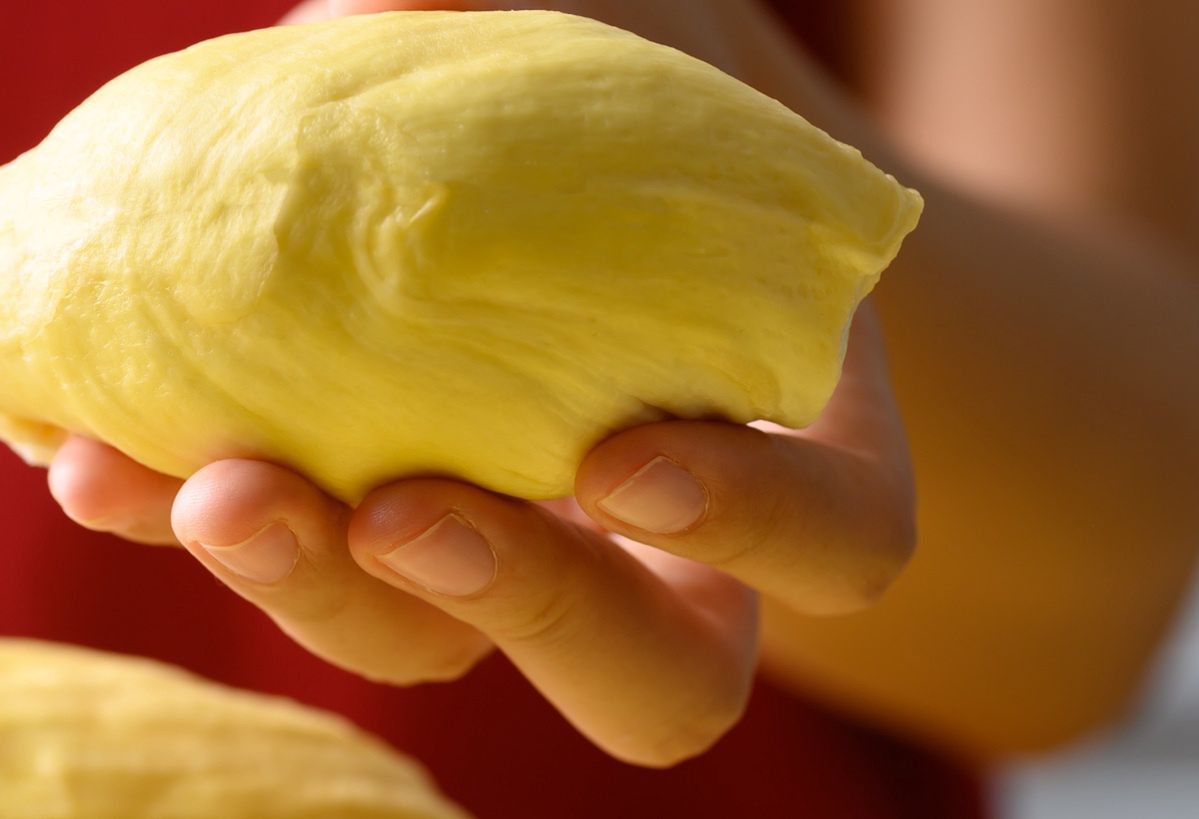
(1056, 450)
(1041, 326)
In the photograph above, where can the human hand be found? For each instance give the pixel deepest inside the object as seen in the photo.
(648, 649)
(725, 33)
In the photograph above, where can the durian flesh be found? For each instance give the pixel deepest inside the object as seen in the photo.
(87, 735)
(455, 243)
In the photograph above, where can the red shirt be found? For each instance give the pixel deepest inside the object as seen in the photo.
(489, 739)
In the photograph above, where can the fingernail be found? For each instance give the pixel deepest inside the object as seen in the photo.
(449, 558)
(267, 557)
(661, 497)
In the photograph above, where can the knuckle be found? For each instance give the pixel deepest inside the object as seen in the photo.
(82, 497)
(447, 666)
(844, 550)
(449, 669)
(894, 543)
(901, 543)
(865, 586)
(772, 523)
(865, 593)
(304, 602)
(689, 735)
(549, 605)
(547, 618)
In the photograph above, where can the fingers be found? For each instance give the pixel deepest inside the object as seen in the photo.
(309, 11)
(820, 528)
(101, 489)
(653, 671)
(312, 11)
(279, 542)
(650, 674)
(822, 519)
(342, 8)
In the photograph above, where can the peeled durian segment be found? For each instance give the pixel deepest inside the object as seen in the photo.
(459, 243)
(88, 735)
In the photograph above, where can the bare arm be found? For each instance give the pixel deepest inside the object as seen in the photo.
(1046, 376)
(1045, 372)
(1076, 108)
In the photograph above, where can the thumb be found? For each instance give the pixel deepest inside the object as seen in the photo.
(820, 528)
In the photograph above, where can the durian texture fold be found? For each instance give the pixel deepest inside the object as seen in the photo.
(90, 735)
(469, 244)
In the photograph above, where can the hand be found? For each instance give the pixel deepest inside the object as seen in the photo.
(648, 651)
(726, 33)
(634, 611)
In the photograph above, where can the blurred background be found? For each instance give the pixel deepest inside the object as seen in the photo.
(954, 102)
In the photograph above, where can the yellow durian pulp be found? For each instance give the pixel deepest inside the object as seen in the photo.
(471, 244)
(88, 735)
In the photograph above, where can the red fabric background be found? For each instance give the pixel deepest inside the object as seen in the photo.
(489, 739)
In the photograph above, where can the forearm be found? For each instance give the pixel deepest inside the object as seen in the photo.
(1046, 380)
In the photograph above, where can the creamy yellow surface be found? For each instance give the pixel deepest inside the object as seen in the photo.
(87, 735)
(464, 243)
